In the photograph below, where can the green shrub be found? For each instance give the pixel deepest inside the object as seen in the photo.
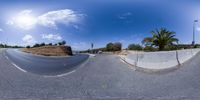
(150, 48)
(135, 47)
(171, 47)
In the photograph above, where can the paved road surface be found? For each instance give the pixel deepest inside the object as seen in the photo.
(103, 77)
(44, 65)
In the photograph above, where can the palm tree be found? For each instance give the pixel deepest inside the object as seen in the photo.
(161, 38)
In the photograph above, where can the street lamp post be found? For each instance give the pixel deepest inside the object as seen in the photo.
(92, 45)
(194, 29)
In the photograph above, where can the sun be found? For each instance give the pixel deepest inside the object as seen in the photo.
(24, 20)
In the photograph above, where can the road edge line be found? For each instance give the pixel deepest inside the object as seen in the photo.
(18, 67)
(14, 64)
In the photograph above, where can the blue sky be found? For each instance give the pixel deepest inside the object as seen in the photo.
(83, 22)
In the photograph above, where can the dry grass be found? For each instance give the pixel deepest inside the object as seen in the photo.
(50, 50)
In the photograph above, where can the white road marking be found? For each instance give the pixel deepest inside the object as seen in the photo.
(46, 75)
(92, 55)
(15, 64)
(18, 67)
(66, 73)
(61, 75)
(123, 61)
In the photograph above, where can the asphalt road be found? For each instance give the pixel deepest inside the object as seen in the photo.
(44, 65)
(103, 77)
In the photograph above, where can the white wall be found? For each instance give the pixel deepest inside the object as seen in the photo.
(161, 59)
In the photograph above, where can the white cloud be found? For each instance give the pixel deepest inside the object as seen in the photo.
(51, 36)
(25, 20)
(198, 29)
(1, 30)
(125, 15)
(197, 26)
(28, 39)
(10, 22)
(122, 41)
(66, 16)
(76, 27)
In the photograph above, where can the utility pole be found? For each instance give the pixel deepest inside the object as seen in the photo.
(194, 30)
(92, 45)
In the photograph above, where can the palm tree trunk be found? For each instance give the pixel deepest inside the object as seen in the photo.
(161, 47)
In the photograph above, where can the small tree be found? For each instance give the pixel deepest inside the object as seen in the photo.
(114, 46)
(109, 47)
(55, 44)
(63, 42)
(5, 46)
(1, 46)
(28, 47)
(59, 43)
(50, 44)
(117, 46)
(42, 44)
(36, 45)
